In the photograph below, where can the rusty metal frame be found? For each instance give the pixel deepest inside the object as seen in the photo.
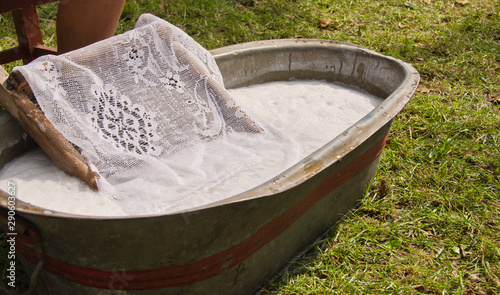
(28, 31)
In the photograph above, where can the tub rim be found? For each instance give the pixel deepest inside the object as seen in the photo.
(330, 153)
(338, 147)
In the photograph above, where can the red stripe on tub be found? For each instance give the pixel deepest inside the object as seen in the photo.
(181, 275)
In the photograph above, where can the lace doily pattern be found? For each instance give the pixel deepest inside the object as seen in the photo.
(173, 82)
(129, 126)
(52, 72)
(148, 109)
(134, 57)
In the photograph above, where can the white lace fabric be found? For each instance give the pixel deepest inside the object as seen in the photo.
(149, 112)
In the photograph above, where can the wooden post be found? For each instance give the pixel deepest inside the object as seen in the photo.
(27, 29)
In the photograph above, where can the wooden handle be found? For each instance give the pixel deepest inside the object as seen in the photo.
(14, 97)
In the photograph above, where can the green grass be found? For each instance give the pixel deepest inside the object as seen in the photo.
(430, 224)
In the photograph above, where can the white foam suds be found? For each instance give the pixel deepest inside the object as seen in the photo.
(311, 112)
(40, 182)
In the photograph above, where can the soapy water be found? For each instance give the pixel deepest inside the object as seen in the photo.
(311, 112)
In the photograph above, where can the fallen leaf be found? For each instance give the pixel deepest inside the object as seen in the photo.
(403, 25)
(494, 99)
(462, 2)
(324, 22)
(382, 190)
(423, 90)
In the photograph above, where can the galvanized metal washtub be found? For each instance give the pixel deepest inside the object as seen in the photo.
(235, 245)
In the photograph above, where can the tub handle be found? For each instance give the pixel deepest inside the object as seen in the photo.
(28, 230)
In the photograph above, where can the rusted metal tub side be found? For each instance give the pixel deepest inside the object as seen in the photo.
(236, 245)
